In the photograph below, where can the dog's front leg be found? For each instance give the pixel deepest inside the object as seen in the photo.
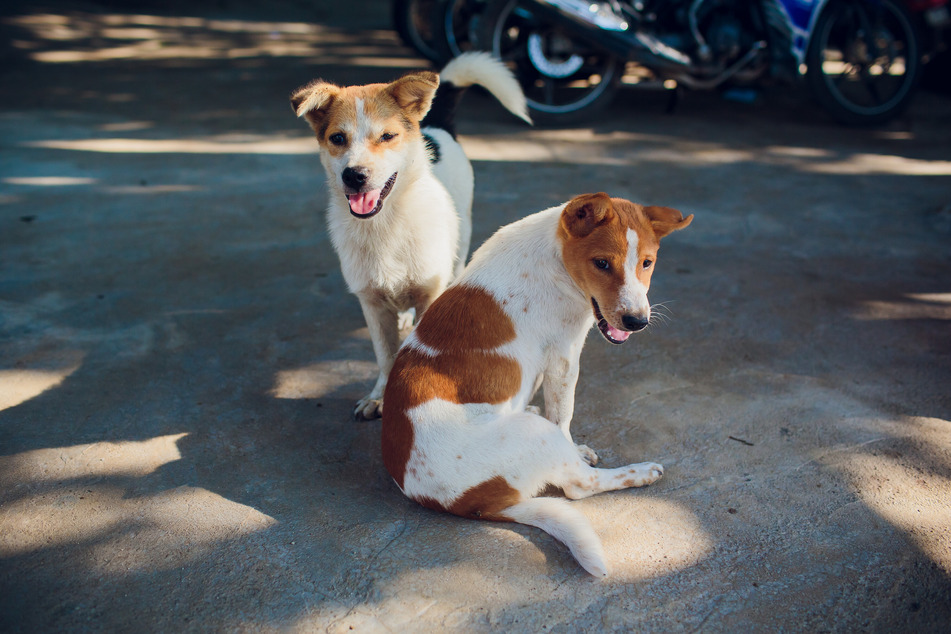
(561, 376)
(384, 332)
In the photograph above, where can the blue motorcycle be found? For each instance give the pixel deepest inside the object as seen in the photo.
(860, 58)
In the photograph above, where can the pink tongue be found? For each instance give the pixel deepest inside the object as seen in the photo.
(617, 335)
(365, 203)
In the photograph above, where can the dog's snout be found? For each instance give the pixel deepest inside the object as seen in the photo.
(354, 177)
(634, 322)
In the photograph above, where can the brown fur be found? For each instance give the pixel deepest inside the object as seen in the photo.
(486, 500)
(591, 229)
(467, 318)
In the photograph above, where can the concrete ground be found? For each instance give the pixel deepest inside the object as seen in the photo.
(179, 357)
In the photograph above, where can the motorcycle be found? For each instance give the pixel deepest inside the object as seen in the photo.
(861, 58)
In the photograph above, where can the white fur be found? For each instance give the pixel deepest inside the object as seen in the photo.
(458, 446)
(479, 67)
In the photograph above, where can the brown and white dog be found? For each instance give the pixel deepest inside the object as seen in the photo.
(400, 189)
(458, 433)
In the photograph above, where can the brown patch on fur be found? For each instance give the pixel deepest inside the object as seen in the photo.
(414, 92)
(584, 213)
(313, 101)
(590, 230)
(651, 224)
(465, 318)
(665, 220)
(464, 324)
(430, 503)
(484, 501)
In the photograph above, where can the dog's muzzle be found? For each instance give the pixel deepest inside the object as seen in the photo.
(365, 204)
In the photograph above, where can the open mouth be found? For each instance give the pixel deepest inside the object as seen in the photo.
(609, 332)
(368, 204)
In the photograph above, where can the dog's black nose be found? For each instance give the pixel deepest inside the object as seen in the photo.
(354, 177)
(634, 323)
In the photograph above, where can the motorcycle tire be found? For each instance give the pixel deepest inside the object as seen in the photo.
(564, 80)
(459, 26)
(413, 21)
(864, 61)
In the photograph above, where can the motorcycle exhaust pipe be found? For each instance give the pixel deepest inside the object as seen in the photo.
(598, 25)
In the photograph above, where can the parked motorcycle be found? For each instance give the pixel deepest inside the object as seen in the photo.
(860, 58)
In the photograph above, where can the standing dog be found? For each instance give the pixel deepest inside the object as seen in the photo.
(400, 189)
(458, 434)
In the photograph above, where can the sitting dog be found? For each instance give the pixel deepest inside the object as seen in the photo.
(458, 433)
(400, 189)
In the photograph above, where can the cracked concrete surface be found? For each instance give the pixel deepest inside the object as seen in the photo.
(179, 357)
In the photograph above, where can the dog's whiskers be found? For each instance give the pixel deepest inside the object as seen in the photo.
(660, 313)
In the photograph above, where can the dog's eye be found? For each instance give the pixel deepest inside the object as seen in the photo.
(647, 263)
(338, 138)
(602, 264)
(387, 136)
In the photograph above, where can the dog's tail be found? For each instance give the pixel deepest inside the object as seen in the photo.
(475, 67)
(566, 524)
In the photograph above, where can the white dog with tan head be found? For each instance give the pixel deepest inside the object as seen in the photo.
(400, 189)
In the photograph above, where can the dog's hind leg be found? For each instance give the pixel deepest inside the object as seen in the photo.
(564, 465)
(582, 480)
(529, 446)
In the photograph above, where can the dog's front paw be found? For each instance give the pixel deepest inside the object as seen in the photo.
(587, 454)
(533, 409)
(368, 408)
(642, 474)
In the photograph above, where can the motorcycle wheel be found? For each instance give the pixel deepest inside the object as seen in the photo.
(564, 80)
(459, 26)
(864, 61)
(413, 21)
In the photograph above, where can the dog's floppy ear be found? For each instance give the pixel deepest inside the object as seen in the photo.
(313, 100)
(665, 220)
(414, 92)
(585, 212)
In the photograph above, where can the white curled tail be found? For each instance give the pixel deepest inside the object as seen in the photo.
(479, 67)
(569, 526)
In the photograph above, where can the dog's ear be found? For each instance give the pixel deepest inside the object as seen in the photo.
(665, 220)
(414, 92)
(313, 100)
(585, 212)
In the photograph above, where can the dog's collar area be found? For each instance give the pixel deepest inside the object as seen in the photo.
(609, 332)
(387, 187)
